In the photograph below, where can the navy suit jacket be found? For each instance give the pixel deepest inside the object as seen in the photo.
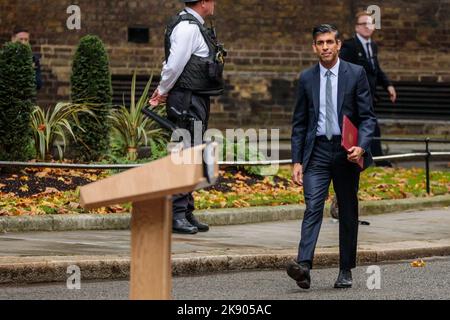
(353, 51)
(354, 101)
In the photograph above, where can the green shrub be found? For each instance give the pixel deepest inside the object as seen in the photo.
(244, 151)
(17, 93)
(158, 149)
(91, 84)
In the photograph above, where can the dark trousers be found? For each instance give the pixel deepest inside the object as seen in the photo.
(376, 149)
(329, 163)
(197, 107)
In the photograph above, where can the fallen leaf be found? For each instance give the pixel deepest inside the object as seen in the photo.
(5, 213)
(41, 174)
(101, 210)
(74, 205)
(418, 263)
(239, 176)
(50, 190)
(62, 211)
(116, 209)
(24, 188)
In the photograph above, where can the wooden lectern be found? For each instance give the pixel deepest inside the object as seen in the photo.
(149, 189)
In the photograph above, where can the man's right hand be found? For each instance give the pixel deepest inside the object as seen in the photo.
(297, 174)
(157, 99)
(392, 94)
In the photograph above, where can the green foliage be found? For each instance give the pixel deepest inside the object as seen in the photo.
(17, 91)
(117, 146)
(53, 123)
(118, 152)
(243, 150)
(91, 84)
(158, 149)
(131, 126)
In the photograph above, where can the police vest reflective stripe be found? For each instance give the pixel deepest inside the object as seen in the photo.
(201, 75)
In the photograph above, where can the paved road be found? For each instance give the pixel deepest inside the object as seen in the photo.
(398, 281)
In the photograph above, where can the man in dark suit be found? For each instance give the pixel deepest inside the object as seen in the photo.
(363, 51)
(326, 92)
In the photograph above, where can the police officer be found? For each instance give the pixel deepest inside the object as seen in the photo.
(191, 73)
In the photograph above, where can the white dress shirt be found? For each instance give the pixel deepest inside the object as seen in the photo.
(364, 41)
(321, 128)
(186, 40)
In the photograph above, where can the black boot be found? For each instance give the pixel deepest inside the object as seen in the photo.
(183, 226)
(344, 279)
(202, 227)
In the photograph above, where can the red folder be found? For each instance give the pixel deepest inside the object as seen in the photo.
(350, 137)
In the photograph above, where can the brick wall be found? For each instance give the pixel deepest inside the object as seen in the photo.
(268, 41)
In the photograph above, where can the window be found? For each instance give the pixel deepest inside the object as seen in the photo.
(138, 34)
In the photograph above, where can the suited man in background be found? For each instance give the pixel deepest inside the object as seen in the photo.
(22, 35)
(326, 92)
(363, 51)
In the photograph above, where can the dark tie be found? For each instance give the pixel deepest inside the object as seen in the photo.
(369, 56)
(329, 108)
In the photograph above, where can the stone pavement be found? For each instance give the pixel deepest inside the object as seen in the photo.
(425, 226)
(44, 256)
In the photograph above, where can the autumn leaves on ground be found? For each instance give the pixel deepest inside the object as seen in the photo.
(54, 191)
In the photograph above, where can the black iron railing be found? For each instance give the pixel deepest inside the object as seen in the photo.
(427, 155)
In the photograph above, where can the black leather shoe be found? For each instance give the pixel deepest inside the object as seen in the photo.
(202, 227)
(344, 280)
(300, 273)
(183, 226)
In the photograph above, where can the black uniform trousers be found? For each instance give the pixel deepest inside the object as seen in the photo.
(375, 147)
(197, 107)
(329, 163)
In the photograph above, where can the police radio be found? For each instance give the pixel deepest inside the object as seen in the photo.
(221, 51)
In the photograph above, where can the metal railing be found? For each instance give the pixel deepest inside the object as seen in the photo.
(427, 155)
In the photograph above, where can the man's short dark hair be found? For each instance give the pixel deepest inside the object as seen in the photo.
(325, 28)
(191, 4)
(20, 29)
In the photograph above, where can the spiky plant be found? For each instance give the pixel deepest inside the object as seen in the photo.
(131, 125)
(53, 123)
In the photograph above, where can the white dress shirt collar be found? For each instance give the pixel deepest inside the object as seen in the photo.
(334, 70)
(195, 14)
(363, 40)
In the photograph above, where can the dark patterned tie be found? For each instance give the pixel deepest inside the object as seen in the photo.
(369, 56)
